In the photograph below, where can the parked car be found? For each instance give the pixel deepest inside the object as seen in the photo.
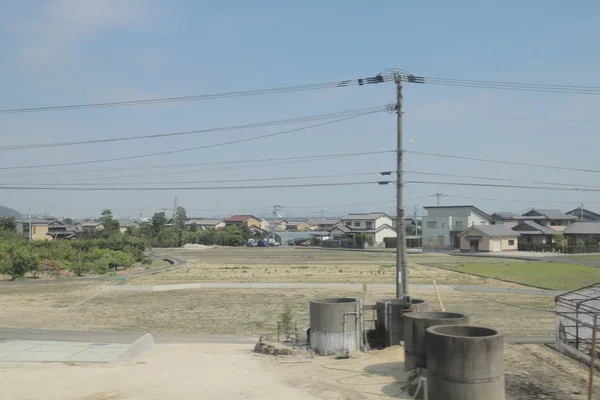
(273, 243)
(251, 243)
(291, 242)
(263, 243)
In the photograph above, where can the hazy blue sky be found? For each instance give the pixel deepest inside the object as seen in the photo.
(78, 51)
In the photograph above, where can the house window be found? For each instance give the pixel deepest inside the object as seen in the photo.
(511, 242)
(458, 224)
(443, 225)
(356, 224)
(431, 224)
(369, 225)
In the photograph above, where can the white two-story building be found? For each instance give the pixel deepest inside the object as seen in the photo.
(378, 224)
(442, 224)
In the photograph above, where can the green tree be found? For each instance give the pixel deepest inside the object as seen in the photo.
(21, 262)
(8, 224)
(559, 241)
(68, 221)
(159, 220)
(108, 220)
(180, 218)
(166, 237)
(194, 227)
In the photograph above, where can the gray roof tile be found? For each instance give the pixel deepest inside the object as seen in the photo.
(495, 230)
(583, 228)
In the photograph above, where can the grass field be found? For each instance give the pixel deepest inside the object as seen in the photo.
(548, 275)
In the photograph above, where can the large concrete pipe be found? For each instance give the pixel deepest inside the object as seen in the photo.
(415, 325)
(335, 325)
(464, 363)
(390, 325)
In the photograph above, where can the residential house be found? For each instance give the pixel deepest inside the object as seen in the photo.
(534, 233)
(125, 224)
(378, 224)
(38, 231)
(556, 219)
(505, 218)
(582, 230)
(488, 238)
(205, 224)
(91, 226)
(60, 230)
(265, 225)
(298, 226)
(280, 226)
(584, 215)
(442, 224)
(243, 220)
(322, 224)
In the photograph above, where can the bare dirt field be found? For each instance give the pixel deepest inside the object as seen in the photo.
(193, 371)
(233, 311)
(309, 265)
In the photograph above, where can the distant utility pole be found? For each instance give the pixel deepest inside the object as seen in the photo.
(276, 210)
(439, 198)
(582, 211)
(173, 220)
(29, 217)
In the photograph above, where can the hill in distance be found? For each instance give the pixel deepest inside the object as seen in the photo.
(9, 212)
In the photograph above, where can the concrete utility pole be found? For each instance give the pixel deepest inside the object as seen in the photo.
(401, 265)
(29, 217)
(439, 198)
(276, 209)
(173, 220)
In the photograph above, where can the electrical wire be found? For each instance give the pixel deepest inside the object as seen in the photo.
(519, 86)
(578, 189)
(63, 188)
(504, 117)
(519, 201)
(198, 97)
(501, 161)
(193, 148)
(218, 181)
(499, 179)
(211, 163)
(208, 130)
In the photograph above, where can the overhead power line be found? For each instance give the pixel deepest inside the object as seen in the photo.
(576, 189)
(522, 201)
(520, 86)
(211, 163)
(198, 97)
(283, 178)
(193, 148)
(500, 179)
(502, 162)
(338, 114)
(303, 185)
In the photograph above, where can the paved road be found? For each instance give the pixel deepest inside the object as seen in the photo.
(332, 286)
(118, 337)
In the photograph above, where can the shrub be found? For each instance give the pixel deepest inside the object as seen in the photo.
(390, 242)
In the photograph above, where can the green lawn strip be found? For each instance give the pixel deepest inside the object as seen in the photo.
(582, 258)
(548, 275)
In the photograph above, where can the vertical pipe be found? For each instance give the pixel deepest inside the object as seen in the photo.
(344, 334)
(388, 317)
(593, 360)
(577, 326)
(361, 325)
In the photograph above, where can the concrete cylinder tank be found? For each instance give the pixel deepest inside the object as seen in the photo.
(464, 363)
(415, 326)
(335, 325)
(390, 325)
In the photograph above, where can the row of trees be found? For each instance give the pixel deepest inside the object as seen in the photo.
(111, 250)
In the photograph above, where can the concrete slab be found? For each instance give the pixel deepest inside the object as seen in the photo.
(80, 352)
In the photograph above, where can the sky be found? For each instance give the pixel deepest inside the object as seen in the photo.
(58, 52)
